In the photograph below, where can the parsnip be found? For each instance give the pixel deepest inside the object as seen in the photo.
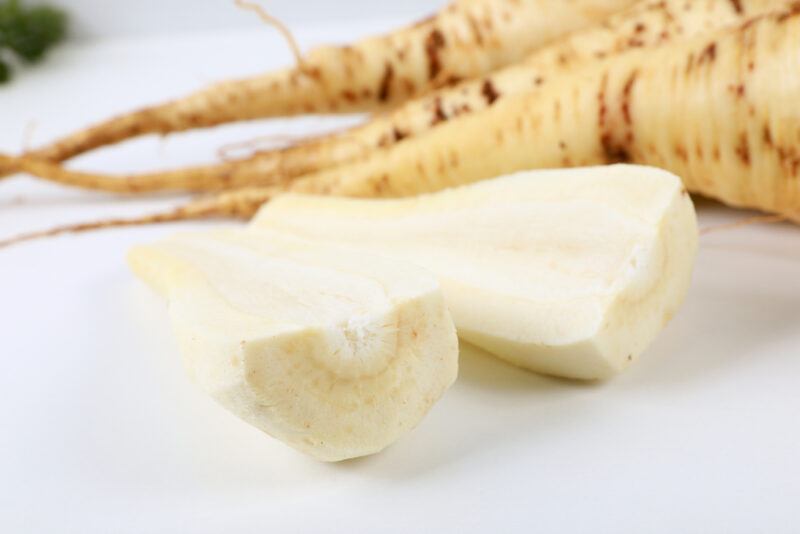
(719, 110)
(468, 38)
(566, 272)
(645, 24)
(337, 355)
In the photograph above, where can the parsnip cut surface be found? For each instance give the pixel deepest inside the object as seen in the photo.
(334, 354)
(566, 272)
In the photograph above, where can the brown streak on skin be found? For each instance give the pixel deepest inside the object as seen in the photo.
(626, 96)
(690, 63)
(743, 149)
(680, 151)
(716, 154)
(489, 91)
(314, 73)
(398, 134)
(737, 89)
(602, 109)
(767, 136)
(349, 95)
(438, 112)
(612, 152)
(794, 9)
(408, 86)
(386, 83)
(709, 54)
(737, 6)
(433, 44)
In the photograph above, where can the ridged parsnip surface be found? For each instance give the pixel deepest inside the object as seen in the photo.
(465, 39)
(718, 110)
(645, 24)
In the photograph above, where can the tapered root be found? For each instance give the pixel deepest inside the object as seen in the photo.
(254, 171)
(241, 204)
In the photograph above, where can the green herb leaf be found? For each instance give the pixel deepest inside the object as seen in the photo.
(29, 32)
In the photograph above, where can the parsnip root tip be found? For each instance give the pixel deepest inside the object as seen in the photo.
(179, 214)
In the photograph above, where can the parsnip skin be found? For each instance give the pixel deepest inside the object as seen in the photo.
(338, 356)
(645, 24)
(568, 272)
(717, 110)
(466, 39)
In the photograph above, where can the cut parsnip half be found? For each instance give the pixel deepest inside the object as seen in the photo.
(566, 272)
(336, 354)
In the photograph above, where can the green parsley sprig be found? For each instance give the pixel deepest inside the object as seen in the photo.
(28, 32)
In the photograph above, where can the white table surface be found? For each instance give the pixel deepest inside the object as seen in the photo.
(101, 432)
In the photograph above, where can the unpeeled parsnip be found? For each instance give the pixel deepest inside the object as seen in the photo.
(566, 272)
(467, 38)
(719, 110)
(334, 354)
(644, 24)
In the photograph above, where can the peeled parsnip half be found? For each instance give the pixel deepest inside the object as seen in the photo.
(336, 354)
(566, 272)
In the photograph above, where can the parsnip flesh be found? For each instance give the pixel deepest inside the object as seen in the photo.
(335, 354)
(566, 272)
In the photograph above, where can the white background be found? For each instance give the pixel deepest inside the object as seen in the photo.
(113, 18)
(101, 432)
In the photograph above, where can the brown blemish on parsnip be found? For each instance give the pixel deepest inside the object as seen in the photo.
(438, 112)
(742, 149)
(738, 90)
(398, 134)
(489, 92)
(680, 151)
(708, 55)
(386, 83)
(349, 95)
(433, 45)
(767, 136)
(626, 96)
